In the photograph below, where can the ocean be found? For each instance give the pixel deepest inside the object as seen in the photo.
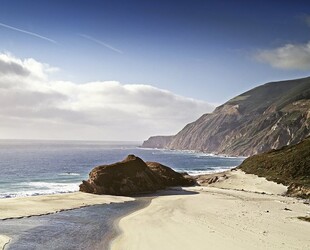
(31, 168)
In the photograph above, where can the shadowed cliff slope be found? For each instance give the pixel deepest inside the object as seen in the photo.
(267, 117)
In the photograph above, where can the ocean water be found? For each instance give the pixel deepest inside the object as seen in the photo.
(46, 167)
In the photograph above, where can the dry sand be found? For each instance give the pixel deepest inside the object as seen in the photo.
(238, 180)
(215, 218)
(3, 241)
(46, 204)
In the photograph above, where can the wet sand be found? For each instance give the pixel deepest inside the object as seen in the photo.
(89, 228)
(46, 204)
(22, 207)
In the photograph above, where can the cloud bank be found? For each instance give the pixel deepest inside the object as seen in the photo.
(33, 106)
(289, 56)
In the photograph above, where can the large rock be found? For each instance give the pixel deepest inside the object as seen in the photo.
(169, 176)
(132, 176)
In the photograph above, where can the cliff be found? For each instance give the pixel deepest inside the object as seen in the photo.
(157, 142)
(267, 117)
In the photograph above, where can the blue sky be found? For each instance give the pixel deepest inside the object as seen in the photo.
(201, 50)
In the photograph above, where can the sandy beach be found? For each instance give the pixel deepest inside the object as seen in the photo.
(4, 240)
(46, 204)
(239, 211)
(221, 217)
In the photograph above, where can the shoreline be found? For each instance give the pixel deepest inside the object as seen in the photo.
(4, 241)
(146, 201)
(236, 208)
(24, 208)
(14, 208)
(189, 151)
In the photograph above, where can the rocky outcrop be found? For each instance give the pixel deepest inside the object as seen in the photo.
(132, 176)
(289, 165)
(298, 190)
(267, 117)
(208, 179)
(169, 176)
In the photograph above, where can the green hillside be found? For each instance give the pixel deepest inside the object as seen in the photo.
(289, 165)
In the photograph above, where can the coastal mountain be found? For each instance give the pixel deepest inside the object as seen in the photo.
(289, 165)
(267, 117)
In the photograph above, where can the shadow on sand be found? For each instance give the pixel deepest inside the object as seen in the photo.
(166, 192)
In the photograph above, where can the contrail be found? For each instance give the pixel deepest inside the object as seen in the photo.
(101, 43)
(28, 33)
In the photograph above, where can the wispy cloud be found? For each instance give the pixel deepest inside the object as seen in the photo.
(289, 56)
(101, 43)
(28, 33)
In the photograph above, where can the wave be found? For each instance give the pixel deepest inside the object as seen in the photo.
(207, 171)
(195, 153)
(69, 173)
(41, 188)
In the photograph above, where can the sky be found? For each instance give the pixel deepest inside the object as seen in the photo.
(126, 70)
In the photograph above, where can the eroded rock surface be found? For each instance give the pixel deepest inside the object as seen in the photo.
(133, 176)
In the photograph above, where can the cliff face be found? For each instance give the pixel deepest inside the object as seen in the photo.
(157, 142)
(267, 117)
(289, 165)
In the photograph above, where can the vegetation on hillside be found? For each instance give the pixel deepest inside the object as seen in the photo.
(289, 165)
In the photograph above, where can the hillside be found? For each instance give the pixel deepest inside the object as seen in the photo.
(267, 117)
(289, 165)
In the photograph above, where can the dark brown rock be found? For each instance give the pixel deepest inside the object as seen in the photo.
(169, 176)
(132, 176)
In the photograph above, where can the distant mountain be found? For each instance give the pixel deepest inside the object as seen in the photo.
(157, 141)
(267, 117)
(289, 165)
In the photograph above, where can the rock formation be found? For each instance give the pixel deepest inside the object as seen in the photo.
(169, 176)
(132, 176)
(267, 117)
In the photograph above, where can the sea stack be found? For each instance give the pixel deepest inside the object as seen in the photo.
(133, 176)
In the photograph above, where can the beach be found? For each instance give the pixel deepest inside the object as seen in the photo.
(240, 211)
(219, 218)
(23, 207)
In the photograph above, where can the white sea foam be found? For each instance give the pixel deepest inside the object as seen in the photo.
(198, 154)
(42, 188)
(69, 173)
(209, 171)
